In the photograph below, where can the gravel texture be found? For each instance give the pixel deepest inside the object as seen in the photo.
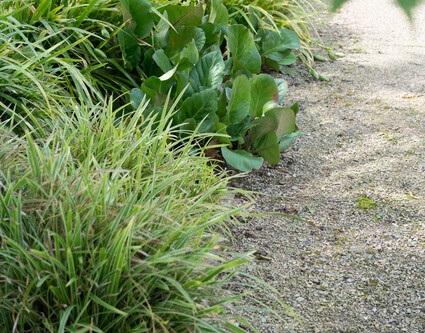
(340, 267)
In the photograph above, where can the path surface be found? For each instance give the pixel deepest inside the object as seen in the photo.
(343, 268)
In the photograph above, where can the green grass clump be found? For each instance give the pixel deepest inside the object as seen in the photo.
(364, 202)
(110, 224)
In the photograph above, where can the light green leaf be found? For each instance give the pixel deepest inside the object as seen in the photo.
(278, 41)
(136, 97)
(241, 160)
(208, 72)
(285, 119)
(189, 55)
(184, 15)
(108, 306)
(282, 87)
(263, 90)
(162, 60)
(218, 13)
(287, 140)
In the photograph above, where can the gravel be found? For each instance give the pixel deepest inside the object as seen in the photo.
(337, 267)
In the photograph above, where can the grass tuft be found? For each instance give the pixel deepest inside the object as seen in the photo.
(110, 225)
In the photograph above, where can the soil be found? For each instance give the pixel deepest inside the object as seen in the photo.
(340, 229)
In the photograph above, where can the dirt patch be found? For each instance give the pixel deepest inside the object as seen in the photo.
(345, 244)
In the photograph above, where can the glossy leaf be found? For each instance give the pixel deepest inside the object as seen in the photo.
(244, 54)
(208, 72)
(240, 101)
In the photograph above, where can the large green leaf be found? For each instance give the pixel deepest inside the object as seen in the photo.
(278, 41)
(162, 60)
(201, 107)
(200, 104)
(218, 13)
(238, 131)
(263, 90)
(156, 90)
(281, 121)
(268, 147)
(213, 34)
(182, 36)
(139, 13)
(277, 46)
(189, 56)
(285, 119)
(184, 15)
(208, 72)
(244, 54)
(131, 51)
(240, 100)
(241, 160)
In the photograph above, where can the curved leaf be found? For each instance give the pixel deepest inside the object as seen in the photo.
(241, 160)
(244, 54)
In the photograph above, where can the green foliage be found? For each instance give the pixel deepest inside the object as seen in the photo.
(110, 226)
(364, 202)
(210, 64)
(294, 15)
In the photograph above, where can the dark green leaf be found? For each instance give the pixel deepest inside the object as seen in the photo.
(240, 101)
(179, 39)
(156, 90)
(189, 55)
(238, 131)
(140, 14)
(244, 54)
(131, 51)
(268, 147)
(200, 104)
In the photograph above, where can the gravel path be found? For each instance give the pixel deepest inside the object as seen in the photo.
(345, 247)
